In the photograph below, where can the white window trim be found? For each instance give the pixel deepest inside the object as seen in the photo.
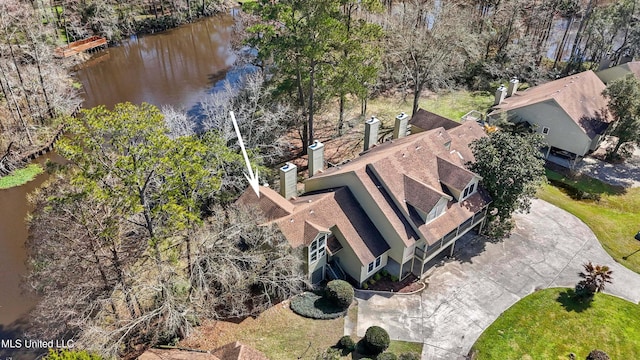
(373, 263)
(545, 130)
(469, 190)
(438, 213)
(320, 250)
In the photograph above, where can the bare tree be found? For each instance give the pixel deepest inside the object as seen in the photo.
(262, 119)
(429, 44)
(242, 268)
(35, 87)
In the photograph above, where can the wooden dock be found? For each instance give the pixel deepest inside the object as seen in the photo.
(77, 47)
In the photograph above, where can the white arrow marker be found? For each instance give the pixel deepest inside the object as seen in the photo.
(253, 178)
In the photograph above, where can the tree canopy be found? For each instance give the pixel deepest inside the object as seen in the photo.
(624, 105)
(318, 49)
(512, 169)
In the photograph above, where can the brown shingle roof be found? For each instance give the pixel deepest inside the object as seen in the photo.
(427, 120)
(175, 354)
(384, 169)
(420, 195)
(270, 203)
(580, 96)
(455, 215)
(230, 351)
(334, 208)
(395, 171)
(453, 175)
(238, 351)
(326, 211)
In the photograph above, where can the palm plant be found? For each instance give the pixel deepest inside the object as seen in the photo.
(594, 279)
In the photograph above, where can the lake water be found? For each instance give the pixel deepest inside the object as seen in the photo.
(177, 67)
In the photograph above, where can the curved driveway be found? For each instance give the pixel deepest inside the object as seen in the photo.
(465, 295)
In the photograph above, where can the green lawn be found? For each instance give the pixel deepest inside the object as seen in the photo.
(283, 335)
(20, 176)
(549, 325)
(451, 104)
(585, 183)
(455, 104)
(615, 219)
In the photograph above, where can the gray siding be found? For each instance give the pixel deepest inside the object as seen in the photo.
(563, 134)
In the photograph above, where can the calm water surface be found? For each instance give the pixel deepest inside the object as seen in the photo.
(177, 67)
(13, 234)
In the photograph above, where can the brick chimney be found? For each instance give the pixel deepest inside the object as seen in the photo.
(316, 157)
(513, 86)
(288, 180)
(501, 93)
(371, 127)
(400, 126)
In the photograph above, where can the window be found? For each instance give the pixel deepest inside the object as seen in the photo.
(545, 130)
(374, 264)
(469, 190)
(317, 248)
(436, 211)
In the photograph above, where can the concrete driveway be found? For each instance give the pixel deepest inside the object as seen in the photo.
(465, 295)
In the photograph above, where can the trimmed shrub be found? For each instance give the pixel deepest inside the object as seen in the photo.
(598, 355)
(315, 306)
(409, 356)
(376, 340)
(340, 293)
(387, 356)
(347, 343)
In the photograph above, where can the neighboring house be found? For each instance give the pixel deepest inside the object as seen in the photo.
(396, 207)
(231, 351)
(424, 120)
(569, 112)
(620, 71)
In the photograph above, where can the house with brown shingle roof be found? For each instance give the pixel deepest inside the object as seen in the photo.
(568, 112)
(230, 351)
(619, 72)
(397, 206)
(424, 120)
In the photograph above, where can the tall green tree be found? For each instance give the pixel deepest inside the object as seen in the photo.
(317, 49)
(624, 106)
(359, 61)
(512, 169)
(300, 37)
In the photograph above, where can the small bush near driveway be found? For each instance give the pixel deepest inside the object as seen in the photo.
(314, 306)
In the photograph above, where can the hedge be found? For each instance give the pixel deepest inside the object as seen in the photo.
(314, 306)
